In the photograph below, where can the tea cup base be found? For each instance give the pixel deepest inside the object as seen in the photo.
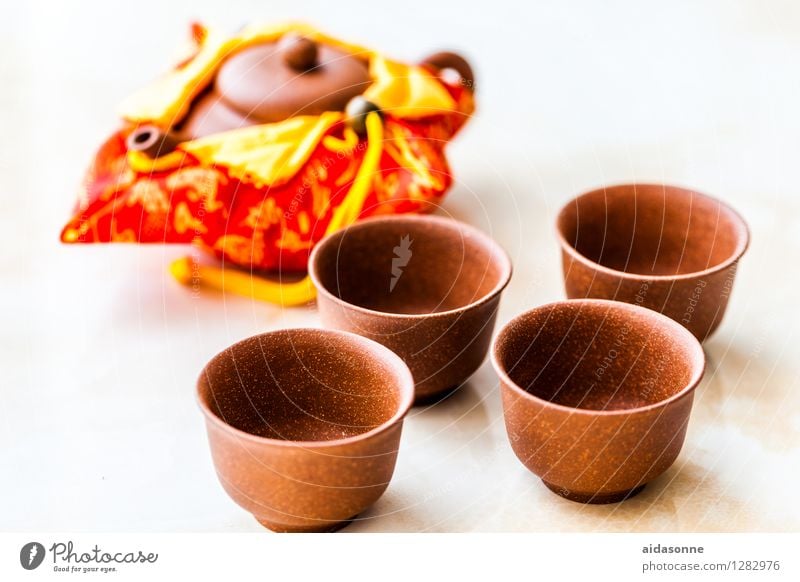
(593, 498)
(322, 527)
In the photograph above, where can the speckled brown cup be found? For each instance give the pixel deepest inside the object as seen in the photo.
(596, 395)
(426, 287)
(304, 425)
(669, 249)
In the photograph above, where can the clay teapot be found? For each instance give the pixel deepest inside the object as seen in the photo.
(273, 81)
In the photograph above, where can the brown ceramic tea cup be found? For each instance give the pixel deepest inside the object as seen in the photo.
(304, 425)
(596, 395)
(426, 287)
(666, 248)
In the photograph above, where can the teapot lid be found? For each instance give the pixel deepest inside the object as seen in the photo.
(293, 76)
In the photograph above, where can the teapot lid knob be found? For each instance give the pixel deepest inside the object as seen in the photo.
(299, 52)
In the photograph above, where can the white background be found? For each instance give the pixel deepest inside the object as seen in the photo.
(99, 429)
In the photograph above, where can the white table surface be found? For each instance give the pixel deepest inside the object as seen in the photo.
(99, 429)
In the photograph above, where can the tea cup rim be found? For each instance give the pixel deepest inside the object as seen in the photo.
(405, 378)
(698, 365)
(495, 248)
(743, 242)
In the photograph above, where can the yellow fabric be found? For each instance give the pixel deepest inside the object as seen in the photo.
(167, 99)
(272, 153)
(346, 144)
(268, 154)
(406, 91)
(189, 273)
(301, 292)
(144, 164)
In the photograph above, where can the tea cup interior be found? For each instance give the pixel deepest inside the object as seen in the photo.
(305, 385)
(652, 230)
(410, 265)
(598, 355)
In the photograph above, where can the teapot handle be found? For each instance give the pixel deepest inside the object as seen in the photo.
(449, 60)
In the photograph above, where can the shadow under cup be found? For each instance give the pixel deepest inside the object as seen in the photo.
(304, 425)
(666, 248)
(596, 395)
